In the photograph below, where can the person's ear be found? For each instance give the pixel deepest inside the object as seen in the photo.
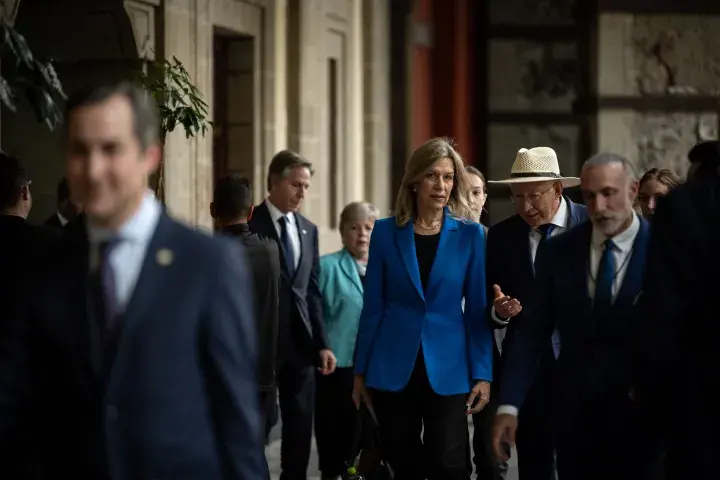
(250, 212)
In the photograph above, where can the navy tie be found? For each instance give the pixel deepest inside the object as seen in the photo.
(107, 283)
(605, 277)
(287, 245)
(545, 231)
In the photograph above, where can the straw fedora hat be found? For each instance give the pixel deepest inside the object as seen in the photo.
(539, 164)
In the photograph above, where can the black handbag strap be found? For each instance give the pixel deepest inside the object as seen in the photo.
(366, 419)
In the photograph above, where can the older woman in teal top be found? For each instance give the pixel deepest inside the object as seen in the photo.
(341, 284)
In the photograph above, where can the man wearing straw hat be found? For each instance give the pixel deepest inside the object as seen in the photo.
(542, 211)
(587, 286)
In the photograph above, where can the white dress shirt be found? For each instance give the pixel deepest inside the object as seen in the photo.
(292, 229)
(128, 256)
(624, 242)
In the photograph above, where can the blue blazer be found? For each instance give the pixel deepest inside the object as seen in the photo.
(181, 398)
(342, 294)
(398, 317)
(595, 356)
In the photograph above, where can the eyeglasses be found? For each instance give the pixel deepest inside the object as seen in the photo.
(533, 198)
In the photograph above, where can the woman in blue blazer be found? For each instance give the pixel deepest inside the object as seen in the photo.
(422, 362)
(341, 283)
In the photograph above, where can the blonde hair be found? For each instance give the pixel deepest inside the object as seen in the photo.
(422, 160)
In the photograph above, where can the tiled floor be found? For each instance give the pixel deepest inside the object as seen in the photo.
(273, 456)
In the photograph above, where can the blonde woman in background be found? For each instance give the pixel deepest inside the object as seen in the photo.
(655, 184)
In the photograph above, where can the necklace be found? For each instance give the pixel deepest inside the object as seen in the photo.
(432, 226)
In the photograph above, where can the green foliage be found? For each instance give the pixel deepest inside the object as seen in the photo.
(23, 74)
(179, 100)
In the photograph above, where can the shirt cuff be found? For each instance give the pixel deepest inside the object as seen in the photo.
(507, 410)
(497, 319)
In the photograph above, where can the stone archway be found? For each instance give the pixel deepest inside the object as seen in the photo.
(88, 41)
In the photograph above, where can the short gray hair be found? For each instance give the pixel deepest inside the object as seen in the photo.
(358, 211)
(607, 158)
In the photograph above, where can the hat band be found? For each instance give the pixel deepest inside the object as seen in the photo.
(534, 174)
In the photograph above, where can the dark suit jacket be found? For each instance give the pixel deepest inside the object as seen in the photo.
(24, 251)
(595, 356)
(676, 337)
(300, 293)
(264, 257)
(181, 399)
(53, 221)
(509, 263)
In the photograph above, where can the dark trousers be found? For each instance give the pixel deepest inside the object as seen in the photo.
(336, 419)
(534, 442)
(606, 438)
(296, 386)
(486, 465)
(441, 453)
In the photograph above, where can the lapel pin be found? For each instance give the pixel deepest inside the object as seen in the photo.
(304, 232)
(164, 257)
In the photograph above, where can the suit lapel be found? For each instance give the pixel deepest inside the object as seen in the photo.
(406, 246)
(632, 283)
(347, 265)
(306, 245)
(445, 250)
(262, 223)
(157, 264)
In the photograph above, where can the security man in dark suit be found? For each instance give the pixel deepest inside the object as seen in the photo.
(231, 208)
(677, 334)
(137, 353)
(302, 346)
(67, 209)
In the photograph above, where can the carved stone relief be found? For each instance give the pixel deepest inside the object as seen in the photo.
(531, 12)
(532, 76)
(675, 56)
(664, 140)
(673, 51)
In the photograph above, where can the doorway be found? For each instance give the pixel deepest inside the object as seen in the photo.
(234, 129)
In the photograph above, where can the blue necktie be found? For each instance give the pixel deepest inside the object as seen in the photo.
(545, 231)
(287, 245)
(605, 277)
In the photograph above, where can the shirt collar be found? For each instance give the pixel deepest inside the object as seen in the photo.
(140, 228)
(624, 240)
(61, 218)
(560, 219)
(276, 214)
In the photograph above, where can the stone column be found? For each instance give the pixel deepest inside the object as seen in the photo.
(376, 38)
(659, 86)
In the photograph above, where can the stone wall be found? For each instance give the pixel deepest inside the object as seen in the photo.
(642, 55)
